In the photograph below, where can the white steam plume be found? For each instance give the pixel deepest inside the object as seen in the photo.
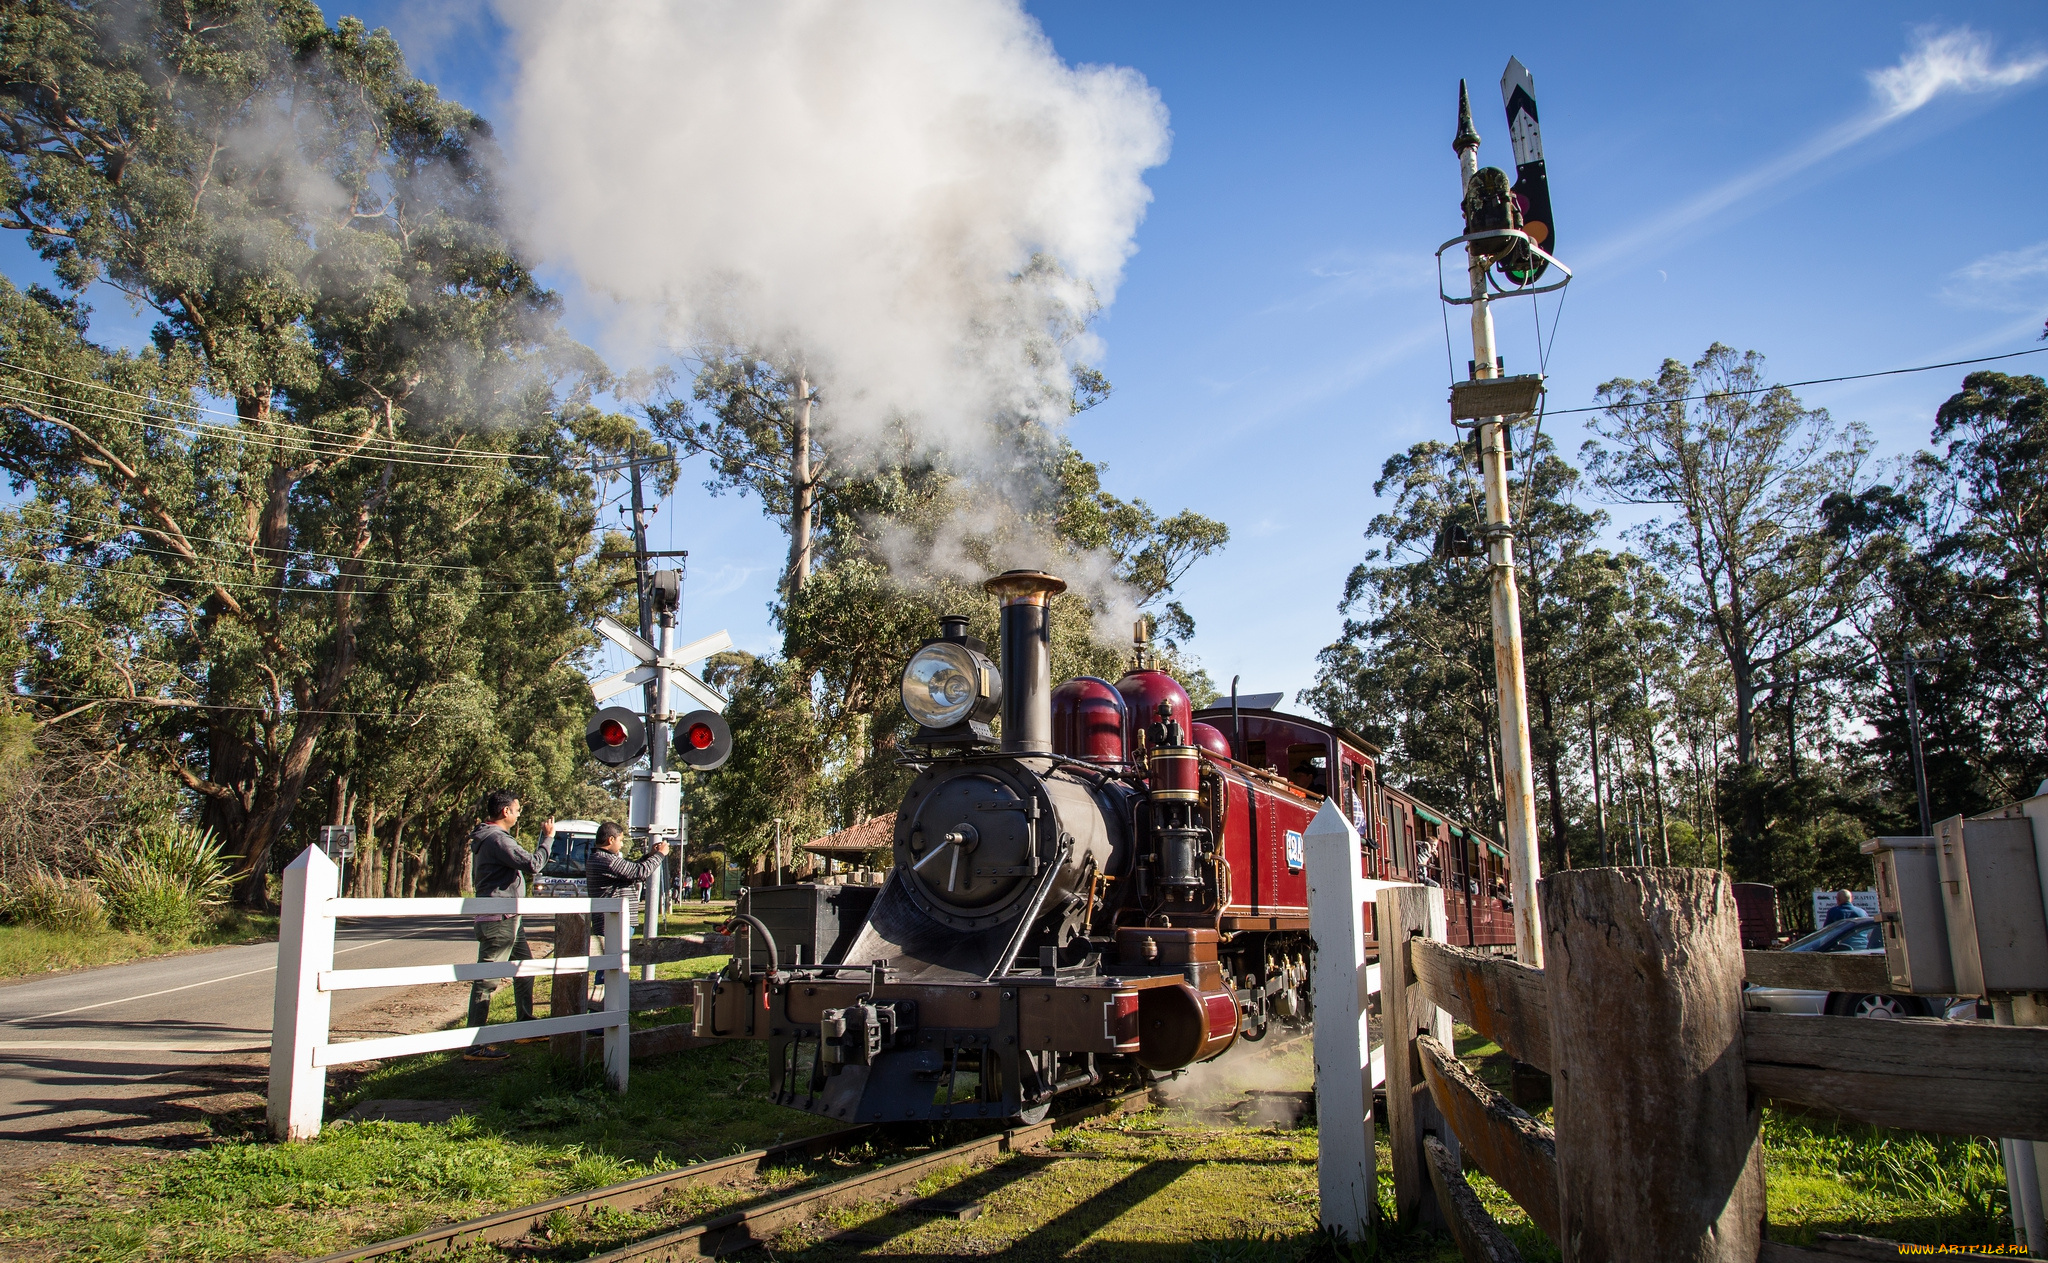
(857, 184)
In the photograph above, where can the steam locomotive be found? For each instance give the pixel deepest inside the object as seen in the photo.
(1113, 886)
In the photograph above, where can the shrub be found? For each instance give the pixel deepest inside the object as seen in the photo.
(167, 879)
(51, 901)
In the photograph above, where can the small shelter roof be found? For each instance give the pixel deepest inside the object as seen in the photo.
(870, 835)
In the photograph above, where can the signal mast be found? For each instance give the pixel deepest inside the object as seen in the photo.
(1507, 228)
(618, 735)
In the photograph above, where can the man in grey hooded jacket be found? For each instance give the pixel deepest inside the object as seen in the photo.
(499, 867)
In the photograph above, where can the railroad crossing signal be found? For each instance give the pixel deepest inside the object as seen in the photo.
(616, 736)
(702, 740)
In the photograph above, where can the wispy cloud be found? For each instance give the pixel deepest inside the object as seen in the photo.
(1342, 276)
(1939, 63)
(2008, 281)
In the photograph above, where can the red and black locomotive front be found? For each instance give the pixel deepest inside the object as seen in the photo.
(1054, 912)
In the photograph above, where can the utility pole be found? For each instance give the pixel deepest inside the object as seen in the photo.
(1517, 781)
(801, 492)
(1599, 802)
(1908, 662)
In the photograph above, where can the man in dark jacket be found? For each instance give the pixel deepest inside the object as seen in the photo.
(611, 874)
(499, 865)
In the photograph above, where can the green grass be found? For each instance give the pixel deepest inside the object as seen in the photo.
(1179, 1183)
(541, 1128)
(1822, 1175)
(27, 950)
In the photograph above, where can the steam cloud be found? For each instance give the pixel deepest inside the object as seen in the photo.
(855, 184)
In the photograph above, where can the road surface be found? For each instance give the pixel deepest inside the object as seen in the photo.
(82, 1052)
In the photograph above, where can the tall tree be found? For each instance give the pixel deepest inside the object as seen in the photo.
(320, 235)
(1744, 470)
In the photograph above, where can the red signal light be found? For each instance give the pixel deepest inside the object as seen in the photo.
(701, 736)
(612, 732)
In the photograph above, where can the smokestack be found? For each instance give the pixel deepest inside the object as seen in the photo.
(1027, 658)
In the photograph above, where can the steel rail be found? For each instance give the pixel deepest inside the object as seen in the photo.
(756, 1225)
(739, 1229)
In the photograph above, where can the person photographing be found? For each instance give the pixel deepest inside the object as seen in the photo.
(500, 867)
(610, 873)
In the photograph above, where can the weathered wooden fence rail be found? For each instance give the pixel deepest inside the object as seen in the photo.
(1658, 1072)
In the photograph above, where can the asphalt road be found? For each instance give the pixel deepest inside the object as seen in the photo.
(92, 1046)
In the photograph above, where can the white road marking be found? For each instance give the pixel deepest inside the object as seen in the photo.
(218, 1046)
(247, 973)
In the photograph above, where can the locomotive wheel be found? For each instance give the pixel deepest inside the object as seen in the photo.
(1036, 1114)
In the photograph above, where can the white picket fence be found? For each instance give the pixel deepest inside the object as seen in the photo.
(300, 1053)
(1348, 1065)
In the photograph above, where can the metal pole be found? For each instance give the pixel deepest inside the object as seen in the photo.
(1518, 786)
(1919, 764)
(656, 706)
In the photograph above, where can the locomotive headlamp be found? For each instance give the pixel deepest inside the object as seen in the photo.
(947, 683)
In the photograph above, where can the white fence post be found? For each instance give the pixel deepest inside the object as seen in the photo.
(1338, 980)
(618, 997)
(298, 1021)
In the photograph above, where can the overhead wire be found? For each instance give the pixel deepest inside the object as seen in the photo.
(167, 703)
(126, 527)
(307, 590)
(140, 420)
(236, 416)
(1822, 381)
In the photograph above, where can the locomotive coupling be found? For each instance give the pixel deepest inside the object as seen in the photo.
(857, 1034)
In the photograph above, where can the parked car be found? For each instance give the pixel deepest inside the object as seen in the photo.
(1859, 936)
(563, 872)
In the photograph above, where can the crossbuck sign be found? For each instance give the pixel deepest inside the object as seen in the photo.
(652, 662)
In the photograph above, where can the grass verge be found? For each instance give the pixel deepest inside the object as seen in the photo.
(27, 950)
(1186, 1182)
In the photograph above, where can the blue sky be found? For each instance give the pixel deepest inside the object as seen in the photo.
(1719, 172)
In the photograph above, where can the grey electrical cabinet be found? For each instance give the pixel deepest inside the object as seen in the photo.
(1909, 905)
(1991, 895)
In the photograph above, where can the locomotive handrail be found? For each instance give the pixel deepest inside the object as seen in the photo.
(1031, 910)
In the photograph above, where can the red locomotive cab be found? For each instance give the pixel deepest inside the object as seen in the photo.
(1088, 720)
(1143, 690)
(1210, 738)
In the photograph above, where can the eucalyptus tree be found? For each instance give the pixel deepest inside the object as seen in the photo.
(1412, 670)
(1740, 472)
(319, 234)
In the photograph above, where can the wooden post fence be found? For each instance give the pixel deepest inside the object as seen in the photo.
(1659, 1072)
(1658, 1149)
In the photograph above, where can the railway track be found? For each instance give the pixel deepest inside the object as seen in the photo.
(740, 1229)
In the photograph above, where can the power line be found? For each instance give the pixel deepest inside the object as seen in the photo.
(186, 703)
(1817, 381)
(248, 587)
(140, 420)
(229, 543)
(236, 416)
